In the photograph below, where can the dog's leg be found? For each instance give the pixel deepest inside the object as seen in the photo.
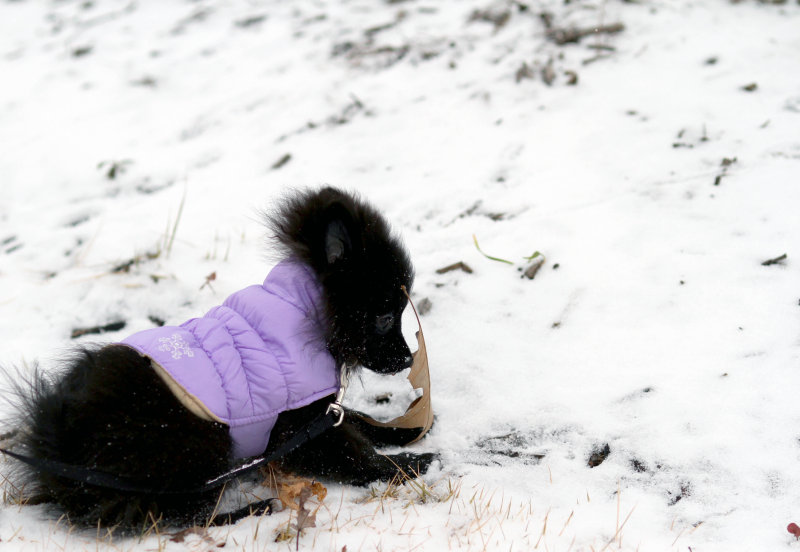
(342, 453)
(383, 436)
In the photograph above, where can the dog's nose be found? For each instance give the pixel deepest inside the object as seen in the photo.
(408, 360)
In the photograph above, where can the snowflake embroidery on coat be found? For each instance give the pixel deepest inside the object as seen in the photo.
(176, 346)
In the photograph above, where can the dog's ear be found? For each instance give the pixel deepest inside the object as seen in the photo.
(337, 241)
(341, 233)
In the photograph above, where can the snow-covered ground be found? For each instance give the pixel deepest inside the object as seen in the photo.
(655, 165)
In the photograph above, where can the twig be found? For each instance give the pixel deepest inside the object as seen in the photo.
(112, 327)
(776, 260)
(210, 278)
(282, 161)
(460, 265)
(575, 35)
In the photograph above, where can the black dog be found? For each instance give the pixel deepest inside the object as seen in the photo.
(110, 411)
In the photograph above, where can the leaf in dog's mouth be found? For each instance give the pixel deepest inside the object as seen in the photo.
(419, 413)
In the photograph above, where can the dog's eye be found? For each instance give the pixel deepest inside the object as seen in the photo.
(384, 323)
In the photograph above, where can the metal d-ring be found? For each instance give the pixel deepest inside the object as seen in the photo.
(336, 406)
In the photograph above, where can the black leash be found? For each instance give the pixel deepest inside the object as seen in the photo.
(333, 417)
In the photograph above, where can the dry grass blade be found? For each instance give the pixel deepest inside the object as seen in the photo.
(171, 240)
(619, 530)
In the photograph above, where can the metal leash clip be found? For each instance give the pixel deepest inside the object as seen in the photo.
(336, 406)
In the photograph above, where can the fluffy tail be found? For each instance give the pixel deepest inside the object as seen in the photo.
(109, 411)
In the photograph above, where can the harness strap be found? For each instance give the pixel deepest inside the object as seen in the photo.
(99, 478)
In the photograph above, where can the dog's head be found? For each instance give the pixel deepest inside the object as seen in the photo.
(363, 269)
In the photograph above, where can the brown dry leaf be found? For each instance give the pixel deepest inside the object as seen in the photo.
(294, 492)
(305, 518)
(291, 489)
(288, 493)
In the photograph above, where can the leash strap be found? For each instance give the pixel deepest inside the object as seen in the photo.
(98, 478)
(311, 431)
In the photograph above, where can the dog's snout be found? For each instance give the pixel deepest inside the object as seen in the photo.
(408, 360)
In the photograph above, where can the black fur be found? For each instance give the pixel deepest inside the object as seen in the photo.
(362, 268)
(109, 411)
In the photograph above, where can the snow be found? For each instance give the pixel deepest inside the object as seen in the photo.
(653, 326)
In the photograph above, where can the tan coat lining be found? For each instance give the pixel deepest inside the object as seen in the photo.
(192, 403)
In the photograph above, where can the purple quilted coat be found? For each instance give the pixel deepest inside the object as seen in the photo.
(258, 354)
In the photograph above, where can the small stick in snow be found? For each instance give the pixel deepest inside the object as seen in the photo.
(282, 161)
(424, 306)
(548, 73)
(460, 265)
(776, 260)
(524, 72)
(572, 78)
(210, 278)
(575, 35)
(726, 163)
(536, 262)
(112, 327)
